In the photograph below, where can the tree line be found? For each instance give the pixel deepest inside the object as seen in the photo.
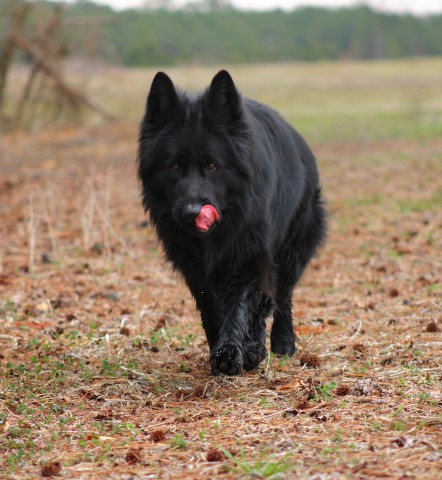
(214, 32)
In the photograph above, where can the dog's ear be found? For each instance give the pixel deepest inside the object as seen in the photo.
(162, 101)
(224, 98)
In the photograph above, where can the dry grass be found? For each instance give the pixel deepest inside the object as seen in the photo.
(104, 365)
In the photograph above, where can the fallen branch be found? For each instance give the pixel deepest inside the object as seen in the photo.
(73, 95)
(7, 53)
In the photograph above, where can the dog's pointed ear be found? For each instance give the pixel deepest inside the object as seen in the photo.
(224, 98)
(162, 101)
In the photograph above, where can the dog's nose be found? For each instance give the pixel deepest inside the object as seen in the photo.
(190, 211)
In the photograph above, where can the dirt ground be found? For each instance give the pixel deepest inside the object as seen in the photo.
(104, 363)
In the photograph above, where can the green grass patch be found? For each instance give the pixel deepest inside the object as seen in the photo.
(434, 202)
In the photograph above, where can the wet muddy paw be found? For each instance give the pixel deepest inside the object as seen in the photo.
(254, 354)
(226, 359)
(283, 347)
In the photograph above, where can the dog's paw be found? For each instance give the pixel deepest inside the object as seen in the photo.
(254, 354)
(226, 359)
(283, 347)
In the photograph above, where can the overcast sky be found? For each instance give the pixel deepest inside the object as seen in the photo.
(414, 6)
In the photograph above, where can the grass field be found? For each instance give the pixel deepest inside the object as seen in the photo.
(104, 364)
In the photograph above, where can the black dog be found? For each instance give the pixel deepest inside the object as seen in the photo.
(234, 194)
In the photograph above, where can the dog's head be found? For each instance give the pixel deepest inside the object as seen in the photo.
(194, 154)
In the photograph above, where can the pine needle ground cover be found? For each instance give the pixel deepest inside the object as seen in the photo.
(104, 364)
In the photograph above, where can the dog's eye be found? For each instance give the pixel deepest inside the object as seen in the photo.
(175, 168)
(211, 167)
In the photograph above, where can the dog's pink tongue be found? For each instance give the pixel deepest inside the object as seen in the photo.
(206, 218)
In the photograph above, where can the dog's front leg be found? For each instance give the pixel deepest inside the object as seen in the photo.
(228, 352)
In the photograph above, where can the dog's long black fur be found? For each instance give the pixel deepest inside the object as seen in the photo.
(222, 149)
